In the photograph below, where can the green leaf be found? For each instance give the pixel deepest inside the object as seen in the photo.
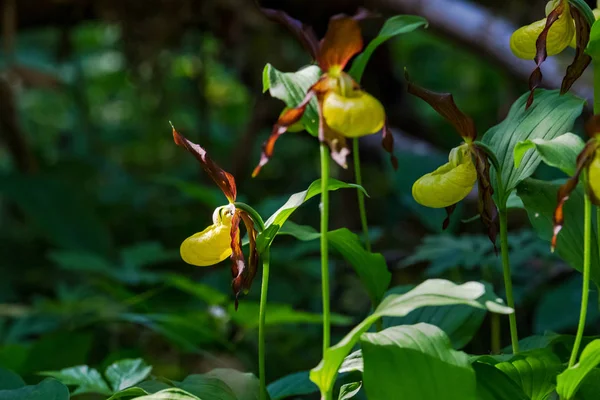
(593, 47)
(10, 380)
(291, 88)
(276, 221)
(126, 373)
(48, 389)
(206, 388)
(202, 291)
(433, 292)
(415, 362)
(534, 372)
(297, 384)
(371, 268)
(551, 115)
(87, 380)
(279, 314)
(173, 394)
(349, 390)
(539, 198)
(393, 26)
(459, 322)
(569, 381)
(244, 385)
(560, 152)
(132, 392)
(493, 384)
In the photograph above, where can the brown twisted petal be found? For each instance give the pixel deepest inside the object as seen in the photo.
(304, 33)
(250, 273)
(582, 60)
(486, 206)
(238, 266)
(542, 52)
(387, 142)
(342, 41)
(222, 178)
(584, 159)
(444, 104)
(449, 212)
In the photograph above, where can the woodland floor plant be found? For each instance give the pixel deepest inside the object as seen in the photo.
(419, 353)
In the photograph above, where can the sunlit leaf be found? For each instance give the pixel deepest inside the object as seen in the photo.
(560, 152)
(86, 379)
(349, 390)
(568, 382)
(171, 394)
(126, 373)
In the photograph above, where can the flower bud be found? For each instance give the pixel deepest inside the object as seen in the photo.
(354, 114)
(213, 244)
(448, 184)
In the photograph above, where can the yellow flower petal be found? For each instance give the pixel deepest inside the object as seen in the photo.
(522, 41)
(573, 43)
(448, 184)
(594, 175)
(353, 115)
(213, 244)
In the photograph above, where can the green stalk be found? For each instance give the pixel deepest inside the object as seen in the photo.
(261, 324)
(512, 318)
(325, 252)
(585, 292)
(361, 195)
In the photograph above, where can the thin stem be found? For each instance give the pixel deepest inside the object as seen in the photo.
(512, 318)
(261, 324)
(361, 195)
(253, 213)
(325, 251)
(585, 290)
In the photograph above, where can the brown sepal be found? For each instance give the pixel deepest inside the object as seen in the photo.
(582, 60)
(336, 142)
(592, 126)
(222, 178)
(536, 76)
(387, 142)
(564, 192)
(250, 273)
(449, 211)
(444, 104)
(238, 265)
(486, 206)
(304, 33)
(342, 41)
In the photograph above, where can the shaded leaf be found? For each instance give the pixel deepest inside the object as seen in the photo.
(297, 384)
(10, 380)
(493, 384)
(48, 389)
(244, 385)
(205, 388)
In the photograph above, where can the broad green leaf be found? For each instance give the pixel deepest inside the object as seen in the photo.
(10, 380)
(126, 373)
(568, 382)
(590, 387)
(349, 390)
(433, 292)
(173, 394)
(415, 362)
(291, 88)
(279, 314)
(297, 384)
(550, 116)
(87, 380)
(48, 389)
(392, 27)
(534, 372)
(276, 221)
(371, 268)
(459, 322)
(206, 388)
(560, 152)
(132, 392)
(493, 384)
(244, 385)
(539, 198)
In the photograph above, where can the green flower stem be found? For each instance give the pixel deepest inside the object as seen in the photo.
(512, 318)
(253, 213)
(585, 290)
(325, 252)
(361, 195)
(261, 324)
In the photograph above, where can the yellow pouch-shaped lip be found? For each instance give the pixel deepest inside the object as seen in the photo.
(522, 41)
(212, 245)
(448, 184)
(594, 175)
(354, 115)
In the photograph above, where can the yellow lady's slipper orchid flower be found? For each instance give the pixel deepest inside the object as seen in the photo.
(345, 111)
(222, 239)
(448, 184)
(523, 40)
(212, 245)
